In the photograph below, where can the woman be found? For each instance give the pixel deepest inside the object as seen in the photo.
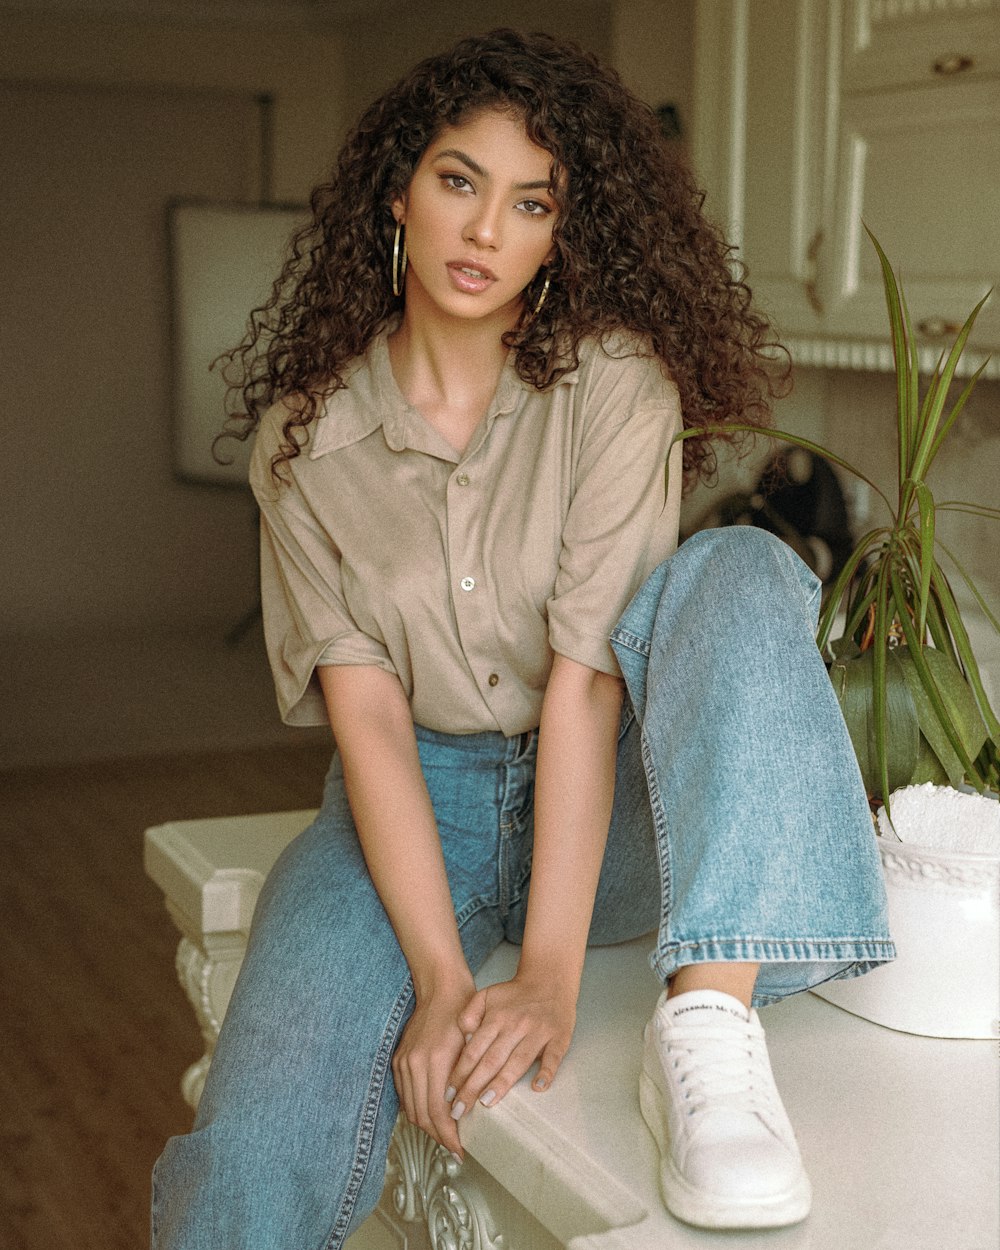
(547, 731)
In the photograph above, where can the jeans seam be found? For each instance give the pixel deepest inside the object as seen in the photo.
(662, 838)
(627, 717)
(471, 907)
(844, 950)
(503, 865)
(366, 1126)
(377, 1084)
(782, 941)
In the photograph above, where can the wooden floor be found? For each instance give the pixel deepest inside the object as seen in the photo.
(94, 1029)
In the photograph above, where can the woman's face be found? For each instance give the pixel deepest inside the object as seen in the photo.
(479, 216)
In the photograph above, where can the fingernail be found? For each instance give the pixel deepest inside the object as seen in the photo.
(468, 1038)
(457, 1158)
(458, 1110)
(450, 1093)
(541, 1083)
(488, 1097)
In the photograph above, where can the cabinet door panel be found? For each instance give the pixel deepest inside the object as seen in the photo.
(780, 135)
(895, 43)
(803, 130)
(922, 169)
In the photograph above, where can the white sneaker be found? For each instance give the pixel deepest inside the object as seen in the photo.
(728, 1154)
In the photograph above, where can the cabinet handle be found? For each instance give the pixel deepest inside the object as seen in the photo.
(937, 327)
(812, 256)
(955, 63)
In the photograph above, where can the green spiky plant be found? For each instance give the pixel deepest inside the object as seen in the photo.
(903, 669)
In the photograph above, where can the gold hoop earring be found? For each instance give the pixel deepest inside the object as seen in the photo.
(398, 260)
(542, 294)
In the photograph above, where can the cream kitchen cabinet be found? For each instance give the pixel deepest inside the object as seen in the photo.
(814, 116)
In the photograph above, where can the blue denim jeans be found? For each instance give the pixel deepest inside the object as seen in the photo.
(740, 831)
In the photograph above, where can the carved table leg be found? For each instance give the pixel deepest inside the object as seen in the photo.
(207, 968)
(425, 1184)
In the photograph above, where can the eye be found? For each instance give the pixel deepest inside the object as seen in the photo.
(535, 208)
(457, 182)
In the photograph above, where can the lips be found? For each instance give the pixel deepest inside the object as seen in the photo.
(469, 276)
(472, 268)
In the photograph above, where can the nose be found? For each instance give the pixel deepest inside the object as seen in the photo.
(483, 226)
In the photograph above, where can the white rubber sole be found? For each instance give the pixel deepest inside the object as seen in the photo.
(708, 1210)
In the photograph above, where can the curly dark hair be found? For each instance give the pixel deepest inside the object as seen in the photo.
(634, 251)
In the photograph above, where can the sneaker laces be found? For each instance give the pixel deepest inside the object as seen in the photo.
(722, 1068)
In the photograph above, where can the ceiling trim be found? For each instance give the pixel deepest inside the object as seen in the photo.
(310, 13)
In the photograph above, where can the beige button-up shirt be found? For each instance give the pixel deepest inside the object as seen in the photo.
(462, 574)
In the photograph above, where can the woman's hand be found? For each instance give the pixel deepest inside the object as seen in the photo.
(508, 1027)
(426, 1055)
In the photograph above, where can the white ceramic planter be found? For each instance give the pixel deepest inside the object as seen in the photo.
(944, 915)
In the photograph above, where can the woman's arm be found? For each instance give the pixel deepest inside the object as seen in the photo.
(392, 811)
(533, 1015)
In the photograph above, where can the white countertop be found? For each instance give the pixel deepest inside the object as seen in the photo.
(900, 1134)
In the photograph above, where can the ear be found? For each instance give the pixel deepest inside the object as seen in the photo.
(399, 209)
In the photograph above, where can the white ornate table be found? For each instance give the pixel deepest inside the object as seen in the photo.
(900, 1134)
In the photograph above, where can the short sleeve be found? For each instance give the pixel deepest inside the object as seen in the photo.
(305, 617)
(621, 524)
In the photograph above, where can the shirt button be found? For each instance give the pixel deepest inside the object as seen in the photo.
(462, 479)
(468, 583)
(493, 678)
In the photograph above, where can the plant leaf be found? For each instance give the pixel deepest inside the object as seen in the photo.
(853, 683)
(905, 450)
(939, 709)
(928, 767)
(974, 509)
(956, 411)
(841, 584)
(957, 699)
(925, 502)
(938, 625)
(880, 676)
(901, 355)
(923, 453)
(965, 653)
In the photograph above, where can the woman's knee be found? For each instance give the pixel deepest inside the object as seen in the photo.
(744, 563)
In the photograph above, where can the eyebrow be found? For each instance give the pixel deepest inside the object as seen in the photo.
(466, 159)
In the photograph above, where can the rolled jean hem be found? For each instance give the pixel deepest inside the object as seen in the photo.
(844, 957)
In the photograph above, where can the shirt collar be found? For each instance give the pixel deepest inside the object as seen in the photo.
(372, 398)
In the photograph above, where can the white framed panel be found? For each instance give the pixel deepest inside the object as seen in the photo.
(921, 169)
(224, 258)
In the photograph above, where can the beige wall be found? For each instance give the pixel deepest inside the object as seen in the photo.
(304, 72)
(382, 47)
(96, 532)
(650, 42)
(653, 49)
(102, 124)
